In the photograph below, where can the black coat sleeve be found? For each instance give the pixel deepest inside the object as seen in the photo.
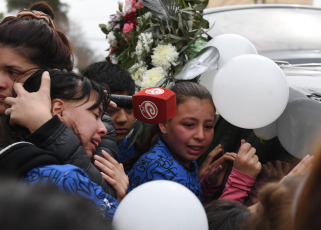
(56, 137)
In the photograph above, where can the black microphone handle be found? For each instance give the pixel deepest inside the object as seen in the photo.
(122, 101)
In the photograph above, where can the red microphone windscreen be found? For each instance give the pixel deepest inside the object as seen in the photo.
(154, 105)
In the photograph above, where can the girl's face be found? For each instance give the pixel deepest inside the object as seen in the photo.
(13, 68)
(190, 132)
(85, 123)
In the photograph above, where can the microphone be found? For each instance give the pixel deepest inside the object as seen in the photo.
(152, 105)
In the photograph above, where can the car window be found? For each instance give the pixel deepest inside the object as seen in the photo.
(271, 29)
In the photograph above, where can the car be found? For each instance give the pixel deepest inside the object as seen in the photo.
(289, 35)
(282, 32)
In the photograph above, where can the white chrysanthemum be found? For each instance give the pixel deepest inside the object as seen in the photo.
(147, 15)
(144, 43)
(164, 56)
(151, 77)
(111, 39)
(137, 71)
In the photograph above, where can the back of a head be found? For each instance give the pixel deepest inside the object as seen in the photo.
(32, 34)
(275, 206)
(39, 207)
(117, 78)
(226, 215)
(306, 212)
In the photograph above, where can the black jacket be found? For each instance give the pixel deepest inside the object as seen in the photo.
(59, 139)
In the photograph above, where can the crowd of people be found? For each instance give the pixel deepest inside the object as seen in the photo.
(67, 160)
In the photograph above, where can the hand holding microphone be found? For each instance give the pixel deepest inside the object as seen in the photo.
(152, 105)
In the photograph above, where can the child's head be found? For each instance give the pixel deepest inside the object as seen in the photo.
(190, 132)
(28, 42)
(227, 215)
(274, 206)
(120, 82)
(78, 102)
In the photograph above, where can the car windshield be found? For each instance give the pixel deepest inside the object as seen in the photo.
(279, 32)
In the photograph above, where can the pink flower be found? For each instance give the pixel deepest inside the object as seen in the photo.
(129, 6)
(128, 27)
(139, 5)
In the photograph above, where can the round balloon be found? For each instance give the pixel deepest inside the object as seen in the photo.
(250, 91)
(299, 127)
(268, 132)
(160, 205)
(231, 45)
(207, 78)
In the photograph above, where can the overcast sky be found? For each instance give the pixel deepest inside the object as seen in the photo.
(88, 14)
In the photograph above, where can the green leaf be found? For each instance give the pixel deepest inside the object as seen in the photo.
(103, 28)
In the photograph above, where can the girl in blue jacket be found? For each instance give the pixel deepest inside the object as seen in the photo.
(179, 142)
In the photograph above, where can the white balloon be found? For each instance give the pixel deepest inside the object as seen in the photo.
(270, 131)
(250, 91)
(206, 79)
(299, 127)
(267, 132)
(160, 205)
(231, 45)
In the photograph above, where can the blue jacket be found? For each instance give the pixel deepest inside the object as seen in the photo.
(159, 164)
(125, 150)
(37, 166)
(73, 181)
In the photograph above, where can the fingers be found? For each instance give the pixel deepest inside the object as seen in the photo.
(209, 159)
(304, 166)
(108, 157)
(45, 83)
(227, 157)
(113, 105)
(216, 151)
(247, 161)
(244, 149)
(18, 88)
(10, 100)
(286, 166)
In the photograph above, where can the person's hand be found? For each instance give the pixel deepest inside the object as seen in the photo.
(274, 171)
(113, 172)
(303, 167)
(218, 169)
(30, 110)
(112, 105)
(247, 161)
(209, 160)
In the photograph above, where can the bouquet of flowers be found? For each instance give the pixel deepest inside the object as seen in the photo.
(154, 39)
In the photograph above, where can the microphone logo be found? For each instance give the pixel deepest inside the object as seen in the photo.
(154, 91)
(148, 109)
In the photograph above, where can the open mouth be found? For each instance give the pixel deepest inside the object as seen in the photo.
(95, 142)
(194, 148)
